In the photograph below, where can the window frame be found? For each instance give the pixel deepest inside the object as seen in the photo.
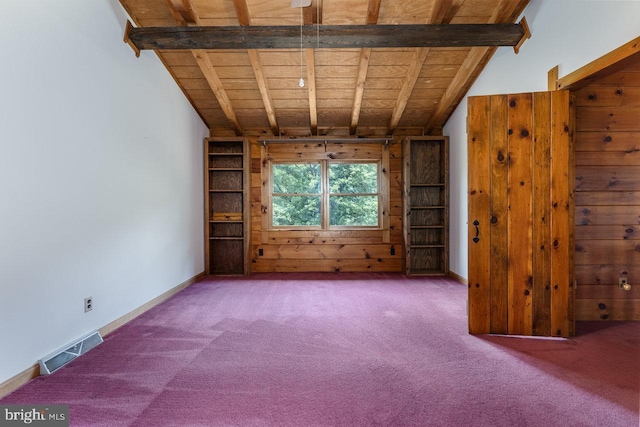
(325, 195)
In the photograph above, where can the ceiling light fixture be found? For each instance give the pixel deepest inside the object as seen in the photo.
(301, 82)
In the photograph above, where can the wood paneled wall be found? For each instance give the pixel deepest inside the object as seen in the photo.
(291, 250)
(607, 194)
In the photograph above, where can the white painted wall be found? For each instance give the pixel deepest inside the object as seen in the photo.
(568, 33)
(100, 176)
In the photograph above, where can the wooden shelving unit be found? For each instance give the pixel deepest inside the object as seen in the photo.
(226, 206)
(426, 205)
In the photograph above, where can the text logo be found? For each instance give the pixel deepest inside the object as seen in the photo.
(34, 415)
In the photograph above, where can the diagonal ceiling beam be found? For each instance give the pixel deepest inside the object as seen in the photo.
(310, 59)
(452, 11)
(183, 9)
(507, 10)
(330, 36)
(409, 83)
(438, 14)
(183, 13)
(211, 75)
(373, 11)
(256, 64)
(242, 12)
(363, 69)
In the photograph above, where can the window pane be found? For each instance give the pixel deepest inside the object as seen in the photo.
(299, 178)
(296, 210)
(347, 178)
(354, 210)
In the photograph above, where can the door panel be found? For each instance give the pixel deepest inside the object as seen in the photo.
(541, 214)
(479, 216)
(499, 221)
(520, 200)
(520, 227)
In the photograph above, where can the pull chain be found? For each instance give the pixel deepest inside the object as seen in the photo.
(301, 82)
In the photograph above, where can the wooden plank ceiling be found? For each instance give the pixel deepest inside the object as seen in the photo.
(367, 92)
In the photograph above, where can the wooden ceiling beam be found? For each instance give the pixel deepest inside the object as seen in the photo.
(438, 14)
(310, 58)
(256, 64)
(373, 11)
(507, 10)
(409, 83)
(439, 11)
(211, 75)
(330, 36)
(242, 12)
(363, 69)
(182, 12)
(185, 15)
(452, 11)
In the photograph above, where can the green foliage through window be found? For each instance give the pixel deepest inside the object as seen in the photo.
(298, 193)
(296, 178)
(353, 210)
(355, 178)
(296, 210)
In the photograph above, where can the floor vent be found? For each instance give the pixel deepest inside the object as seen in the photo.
(59, 358)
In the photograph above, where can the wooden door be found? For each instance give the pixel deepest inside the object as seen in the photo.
(520, 214)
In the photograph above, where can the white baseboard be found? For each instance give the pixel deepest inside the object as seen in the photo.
(458, 278)
(30, 373)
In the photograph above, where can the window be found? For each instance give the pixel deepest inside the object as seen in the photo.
(297, 194)
(325, 194)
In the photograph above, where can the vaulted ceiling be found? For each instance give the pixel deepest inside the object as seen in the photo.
(369, 91)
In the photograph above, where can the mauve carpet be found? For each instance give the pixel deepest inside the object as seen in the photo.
(341, 350)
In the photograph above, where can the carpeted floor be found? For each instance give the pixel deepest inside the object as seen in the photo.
(341, 350)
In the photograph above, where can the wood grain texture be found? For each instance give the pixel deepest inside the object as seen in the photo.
(606, 215)
(227, 202)
(601, 67)
(281, 250)
(606, 274)
(607, 251)
(608, 232)
(615, 119)
(479, 187)
(499, 215)
(607, 178)
(426, 204)
(520, 185)
(330, 36)
(541, 288)
(608, 309)
(608, 291)
(561, 214)
(351, 96)
(520, 228)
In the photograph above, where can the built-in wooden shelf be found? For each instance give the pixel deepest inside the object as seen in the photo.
(426, 205)
(227, 206)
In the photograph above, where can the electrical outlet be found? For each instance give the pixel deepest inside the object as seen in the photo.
(88, 304)
(623, 284)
